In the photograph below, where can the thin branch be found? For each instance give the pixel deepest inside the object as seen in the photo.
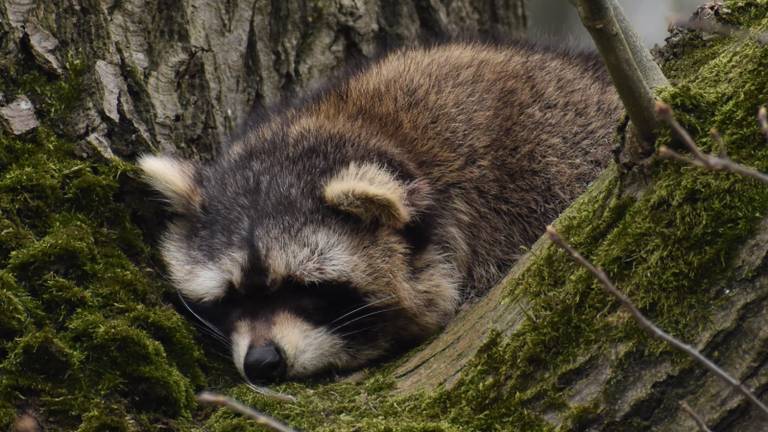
(651, 328)
(700, 159)
(259, 418)
(267, 392)
(698, 420)
(599, 18)
(649, 69)
(722, 151)
(26, 422)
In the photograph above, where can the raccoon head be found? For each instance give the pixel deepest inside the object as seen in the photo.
(304, 263)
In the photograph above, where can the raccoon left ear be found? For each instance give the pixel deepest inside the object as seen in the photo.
(374, 194)
(174, 178)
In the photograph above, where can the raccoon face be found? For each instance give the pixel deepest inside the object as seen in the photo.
(302, 269)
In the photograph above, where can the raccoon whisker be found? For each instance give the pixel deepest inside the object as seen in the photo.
(365, 306)
(207, 331)
(201, 319)
(380, 311)
(343, 335)
(214, 334)
(221, 354)
(265, 391)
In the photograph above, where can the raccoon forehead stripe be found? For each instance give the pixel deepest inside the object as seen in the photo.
(315, 254)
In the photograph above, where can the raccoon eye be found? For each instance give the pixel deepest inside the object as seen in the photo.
(325, 302)
(218, 313)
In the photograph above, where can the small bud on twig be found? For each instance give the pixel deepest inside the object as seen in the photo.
(762, 118)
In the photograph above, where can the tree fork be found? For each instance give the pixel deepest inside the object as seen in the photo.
(633, 71)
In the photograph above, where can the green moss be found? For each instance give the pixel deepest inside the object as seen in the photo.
(106, 418)
(87, 341)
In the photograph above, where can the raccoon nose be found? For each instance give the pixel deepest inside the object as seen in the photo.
(263, 363)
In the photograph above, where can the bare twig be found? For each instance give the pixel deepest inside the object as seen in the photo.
(651, 328)
(722, 151)
(262, 419)
(267, 392)
(26, 422)
(600, 19)
(649, 69)
(700, 159)
(699, 421)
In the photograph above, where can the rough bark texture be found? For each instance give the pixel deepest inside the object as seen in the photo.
(183, 75)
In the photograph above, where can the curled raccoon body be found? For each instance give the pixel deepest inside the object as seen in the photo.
(353, 225)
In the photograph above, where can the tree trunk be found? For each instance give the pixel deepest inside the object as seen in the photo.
(183, 75)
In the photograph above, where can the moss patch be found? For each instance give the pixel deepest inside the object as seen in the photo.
(87, 341)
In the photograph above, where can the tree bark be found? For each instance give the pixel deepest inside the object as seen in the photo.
(181, 76)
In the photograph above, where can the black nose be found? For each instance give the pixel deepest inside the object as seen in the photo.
(264, 363)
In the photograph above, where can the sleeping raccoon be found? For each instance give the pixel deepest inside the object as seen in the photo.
(352, 225)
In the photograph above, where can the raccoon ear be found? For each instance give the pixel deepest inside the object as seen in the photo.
(174, 178)
(373, 194)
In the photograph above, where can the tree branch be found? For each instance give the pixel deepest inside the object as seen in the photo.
(699, 421)
(613, 35)
(649, 69)
(651, 328)
(265, 391)
(259, 418)
(701, 159)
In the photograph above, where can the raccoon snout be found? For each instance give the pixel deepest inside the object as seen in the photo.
(264, 363)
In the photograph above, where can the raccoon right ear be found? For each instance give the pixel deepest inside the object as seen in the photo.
(174, 178)
(374, 194)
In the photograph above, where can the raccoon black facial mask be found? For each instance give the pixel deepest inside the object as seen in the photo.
(350, 227)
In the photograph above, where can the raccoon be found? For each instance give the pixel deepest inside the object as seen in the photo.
(352, 225)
